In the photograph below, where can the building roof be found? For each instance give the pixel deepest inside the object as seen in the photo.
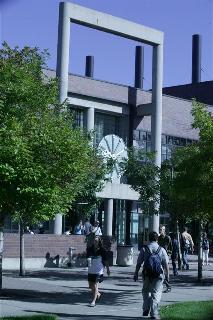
(202, 91)
(176, 113)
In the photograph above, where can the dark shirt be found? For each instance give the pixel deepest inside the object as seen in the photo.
(92, 252)
(174, 249)
(205, 244)
(165, 242)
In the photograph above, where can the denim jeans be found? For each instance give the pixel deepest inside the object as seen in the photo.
(174, 266)
(185, 258)
(151, 292)
(206, 256)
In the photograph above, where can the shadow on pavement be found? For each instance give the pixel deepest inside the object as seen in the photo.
(189, 280)
(112, 297)
(88, 316)
(185, 278)
(71, 275)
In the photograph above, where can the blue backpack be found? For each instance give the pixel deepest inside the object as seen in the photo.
(152, 265)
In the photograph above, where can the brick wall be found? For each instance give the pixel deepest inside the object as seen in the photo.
(37, 246)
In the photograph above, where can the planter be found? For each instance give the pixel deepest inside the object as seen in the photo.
(125, 255)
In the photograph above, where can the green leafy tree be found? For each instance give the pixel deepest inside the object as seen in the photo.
(189, 190)
(192, 183)
(143, 176)
(45, 163)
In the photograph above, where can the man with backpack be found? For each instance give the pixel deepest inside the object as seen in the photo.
(155, 269)
(187, 244)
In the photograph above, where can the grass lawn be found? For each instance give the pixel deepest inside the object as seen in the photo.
(32, 317)
(202, 310)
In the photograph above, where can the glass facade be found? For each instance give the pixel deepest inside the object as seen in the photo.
(105, 124)
(109, 124)
(78, 117)
(121, 221)
(142, 140)
(10, 226)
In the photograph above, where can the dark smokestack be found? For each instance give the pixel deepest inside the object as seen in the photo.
(89, 70)
(196, 58)
(139, 66)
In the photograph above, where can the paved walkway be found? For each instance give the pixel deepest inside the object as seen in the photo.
(64, 292)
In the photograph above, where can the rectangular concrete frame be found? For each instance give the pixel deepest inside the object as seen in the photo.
(69, 12)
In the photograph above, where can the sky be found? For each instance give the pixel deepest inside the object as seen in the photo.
(35, 23)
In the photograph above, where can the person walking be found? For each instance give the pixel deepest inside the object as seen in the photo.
(165, 242)
(98, 260)
(205, 247)
(174, 253)
(96, 229)
(79, 228)
(187, 244)
(87, 227)
(155, 263)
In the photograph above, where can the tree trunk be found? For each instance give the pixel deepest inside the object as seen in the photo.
(22, 266)
(1, 253)
(200, 252)
(180, 261)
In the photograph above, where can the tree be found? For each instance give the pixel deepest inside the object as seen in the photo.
(45, 163)
(190, 191)
(143, 176)
(193, 181)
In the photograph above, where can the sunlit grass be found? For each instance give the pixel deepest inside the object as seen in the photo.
(202, 310)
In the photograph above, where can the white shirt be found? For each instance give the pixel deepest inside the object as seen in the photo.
(96, 266)
(97, 231)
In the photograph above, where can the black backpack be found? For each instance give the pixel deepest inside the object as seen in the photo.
(152, 265)
(205, 244)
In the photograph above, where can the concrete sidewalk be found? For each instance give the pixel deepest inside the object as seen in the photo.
(65, 292)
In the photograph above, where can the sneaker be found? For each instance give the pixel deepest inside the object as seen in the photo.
(146, 313)
(92, 304)
(167, 290)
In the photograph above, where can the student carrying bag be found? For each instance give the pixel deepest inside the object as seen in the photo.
(152, 265)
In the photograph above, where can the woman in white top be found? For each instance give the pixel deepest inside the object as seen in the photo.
(98, 257)
(205, 247)
(97, 229)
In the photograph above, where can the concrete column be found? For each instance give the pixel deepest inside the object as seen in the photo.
(156, 119)
(62, 71)
(108, 216)
(58, 224)
(128, 221)
(63, 50)
(90, 119)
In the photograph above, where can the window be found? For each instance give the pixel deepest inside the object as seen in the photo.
(78, 117)
(108, 124)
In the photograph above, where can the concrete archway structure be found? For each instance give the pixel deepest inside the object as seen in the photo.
(72, 13)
